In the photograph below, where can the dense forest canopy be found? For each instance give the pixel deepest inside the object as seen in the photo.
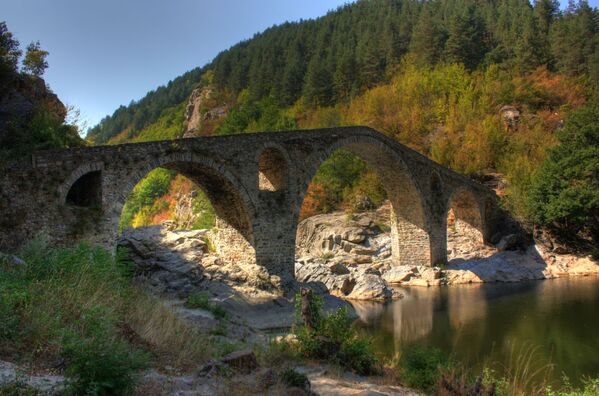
(357, 46)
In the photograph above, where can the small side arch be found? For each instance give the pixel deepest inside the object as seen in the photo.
(273, 168)
(465, 215)
(83, 187)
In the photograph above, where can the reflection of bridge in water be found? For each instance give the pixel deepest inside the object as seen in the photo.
(256, 183)
(482, 323)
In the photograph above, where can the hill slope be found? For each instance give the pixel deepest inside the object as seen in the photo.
(479, 86)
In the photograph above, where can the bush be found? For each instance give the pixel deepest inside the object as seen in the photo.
(420, 367)
(334, 339)
(292, 378)
(99, 363)
(17, 389)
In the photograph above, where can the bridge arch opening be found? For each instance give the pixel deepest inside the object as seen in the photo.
(188, 195)
(397, 207)
(272, 170)
(464, 224)
(86, 191)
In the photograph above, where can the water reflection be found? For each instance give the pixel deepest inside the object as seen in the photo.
(491, 322)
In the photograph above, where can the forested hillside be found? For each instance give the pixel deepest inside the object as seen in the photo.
(479, 86)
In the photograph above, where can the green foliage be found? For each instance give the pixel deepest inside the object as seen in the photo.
(68, 302)
(35, 59)
(252, 116)
(420, 367)
(334, 339)
(45, 130)
(151, 187)
(206, 217)
(168, 126)
(17, 389)
(100, 363)
(292, 378)
(9, 55)
(590, 387)
(565, 191)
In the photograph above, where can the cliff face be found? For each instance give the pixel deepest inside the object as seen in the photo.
(203, 110)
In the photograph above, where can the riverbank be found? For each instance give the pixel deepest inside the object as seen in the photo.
(183, 337)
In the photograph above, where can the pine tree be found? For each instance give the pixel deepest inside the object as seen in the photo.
(35, 59)
(427, 39)
(318, 87)
(466, 41)
(545, 11)
(529, 48)
(344, 79)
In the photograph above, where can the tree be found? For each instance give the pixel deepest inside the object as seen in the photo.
(545, 11)
(529, 51)
(9, 54)
(466, 41)
(318, 86)
(344, 79)
(565, 191)
(427, 39)
(35, 59)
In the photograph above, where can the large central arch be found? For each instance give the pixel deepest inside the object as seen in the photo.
(410, 239)
(234, 237)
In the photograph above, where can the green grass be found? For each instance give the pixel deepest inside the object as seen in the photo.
(201, 300)
(79, 305)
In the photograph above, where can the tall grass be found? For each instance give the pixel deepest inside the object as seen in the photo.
(80, 305)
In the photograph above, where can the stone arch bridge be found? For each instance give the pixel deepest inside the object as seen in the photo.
(256, 183)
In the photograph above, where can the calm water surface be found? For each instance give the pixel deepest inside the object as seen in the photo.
(479, 324)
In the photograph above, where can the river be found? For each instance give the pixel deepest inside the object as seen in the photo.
(493, 324)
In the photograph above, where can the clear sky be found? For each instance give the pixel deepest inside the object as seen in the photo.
(104, 53)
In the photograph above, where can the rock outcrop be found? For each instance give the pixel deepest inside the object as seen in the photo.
(201, 108)
(174, 264)
(350, 257)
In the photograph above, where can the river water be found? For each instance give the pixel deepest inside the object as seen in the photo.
(493, 324)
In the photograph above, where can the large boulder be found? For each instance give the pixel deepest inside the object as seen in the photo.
(399, 274)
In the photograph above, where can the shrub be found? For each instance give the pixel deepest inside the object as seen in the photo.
(590, 387)
(17, 389)
(101, 364)
(333, 338)
(292, 378)
(420, 367)
(79, 303)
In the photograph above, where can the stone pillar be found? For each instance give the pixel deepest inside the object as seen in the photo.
(274, 234)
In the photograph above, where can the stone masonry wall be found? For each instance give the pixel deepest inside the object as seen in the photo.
(258, 224)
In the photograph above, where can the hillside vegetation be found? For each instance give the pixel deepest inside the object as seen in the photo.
(479, 87)
(31, 115)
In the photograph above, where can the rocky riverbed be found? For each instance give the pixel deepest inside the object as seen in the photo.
(350, 256)
(339, 255)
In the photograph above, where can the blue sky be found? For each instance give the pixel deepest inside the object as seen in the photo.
(104, 53)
